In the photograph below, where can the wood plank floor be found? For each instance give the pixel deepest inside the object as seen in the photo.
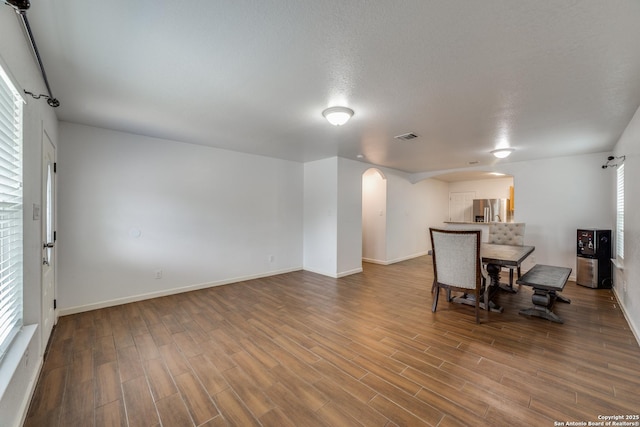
(300, 349)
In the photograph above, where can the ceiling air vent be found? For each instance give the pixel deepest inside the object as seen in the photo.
(406, 136)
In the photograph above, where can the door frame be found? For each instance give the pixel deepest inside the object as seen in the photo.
(46, 303)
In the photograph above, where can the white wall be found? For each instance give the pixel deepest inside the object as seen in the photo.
(19, 369)
(627, 285)
(333, 215)
(495, 188)
(374, 216)
(349, 226)
(320, 216)
(130, 206)
(411, 210)
(555, 197)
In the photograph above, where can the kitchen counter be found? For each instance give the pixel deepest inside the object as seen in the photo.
(482, 226)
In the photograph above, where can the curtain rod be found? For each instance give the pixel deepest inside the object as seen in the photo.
(21, 7)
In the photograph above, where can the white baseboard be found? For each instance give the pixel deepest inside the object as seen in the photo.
(393, 261)
(323, 273)
(375, 261)
(416, 255)
(632, 326)
(349, 272)
(335, 275)
(141, 297)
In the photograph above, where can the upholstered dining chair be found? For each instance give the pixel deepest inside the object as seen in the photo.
(457, 265)
(507, 233)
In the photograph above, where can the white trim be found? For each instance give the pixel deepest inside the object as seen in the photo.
(617, 263)
(142, 297)
(31, 389)
(349, 272)
(335, 275)
(375, 261)
(408, 257)
(15, 83)
(14, 356)
(322, 273)
(416, 255)
(634, 329)
(393, 261)
(12, 141)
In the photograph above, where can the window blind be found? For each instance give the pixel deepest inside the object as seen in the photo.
(620, 213)
(10, 211)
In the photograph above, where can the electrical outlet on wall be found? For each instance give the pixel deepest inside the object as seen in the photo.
(158, 274)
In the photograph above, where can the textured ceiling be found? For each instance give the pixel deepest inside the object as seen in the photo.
(546, 77)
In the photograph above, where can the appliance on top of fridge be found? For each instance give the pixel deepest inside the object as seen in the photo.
(491, 210)
(594, 258)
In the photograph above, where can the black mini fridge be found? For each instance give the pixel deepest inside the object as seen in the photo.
(594, 258)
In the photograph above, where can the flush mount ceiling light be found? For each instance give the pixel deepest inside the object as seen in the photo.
(337, 116)
(501, 153)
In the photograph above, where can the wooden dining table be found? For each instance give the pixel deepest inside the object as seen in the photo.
(495, 257)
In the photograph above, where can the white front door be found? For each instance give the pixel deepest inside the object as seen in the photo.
(48, 219)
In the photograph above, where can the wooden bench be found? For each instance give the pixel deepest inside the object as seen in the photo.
(546, 281)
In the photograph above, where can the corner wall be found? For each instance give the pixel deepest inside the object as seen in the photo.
(627, 281)
(19, 370)
(320, 216)
(412, 209)
(409, 209)
(349, 217)
(557, 196)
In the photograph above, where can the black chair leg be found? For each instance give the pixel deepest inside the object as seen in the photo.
(486, 300)
(435, 299)
(477, 307)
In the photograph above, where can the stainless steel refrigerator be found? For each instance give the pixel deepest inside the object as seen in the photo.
(491, 210)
